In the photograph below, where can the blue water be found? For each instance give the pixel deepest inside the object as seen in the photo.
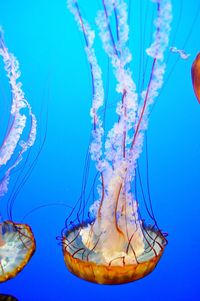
(55, 75)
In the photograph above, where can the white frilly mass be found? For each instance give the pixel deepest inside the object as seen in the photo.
(18, 118)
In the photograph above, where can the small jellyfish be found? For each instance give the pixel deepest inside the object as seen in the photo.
(195, 71)
(112, 244)
(17, 243)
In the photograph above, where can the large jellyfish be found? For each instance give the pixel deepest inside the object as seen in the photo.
(114, 245)
(17, 243)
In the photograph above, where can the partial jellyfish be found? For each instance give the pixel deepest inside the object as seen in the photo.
(7, 298)
(17, 243)
(195, 71)
(113, 244)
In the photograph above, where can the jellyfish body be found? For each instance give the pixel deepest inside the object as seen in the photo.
(196, 76)
(115, 246)
(17, 242)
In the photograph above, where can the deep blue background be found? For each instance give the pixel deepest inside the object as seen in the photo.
(44, 37)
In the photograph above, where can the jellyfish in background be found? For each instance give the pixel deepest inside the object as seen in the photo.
(7, 298)
(114, 245)
(196, 76)
(17, 243)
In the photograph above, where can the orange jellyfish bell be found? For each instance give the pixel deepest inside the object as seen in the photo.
(90, 265)
(17, 245)
(196, 76)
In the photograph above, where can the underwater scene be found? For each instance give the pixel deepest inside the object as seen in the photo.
(99, 150)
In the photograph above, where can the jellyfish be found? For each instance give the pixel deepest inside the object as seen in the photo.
(17, 243)
(196, 76)
(113, 244)
(7, 298)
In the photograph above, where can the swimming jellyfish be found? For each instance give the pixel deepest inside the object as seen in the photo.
(17, 243)
(114, 245)
(196, 76)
